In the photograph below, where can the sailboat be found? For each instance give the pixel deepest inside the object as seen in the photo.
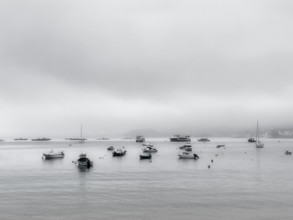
(258, 143)
(81, 141)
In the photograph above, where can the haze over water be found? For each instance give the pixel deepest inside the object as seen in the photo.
(242, 183)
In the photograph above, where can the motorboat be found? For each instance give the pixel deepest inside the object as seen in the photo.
(220, 145)
(149, 150)
(251, 140)
(119, 152)
(188, 155)
(179, 138)
(110, 148)
(203, 140)
(53, 155)
(145, 156)
(140, 139)
(288, 153)
(187, 145)
(147, 145)
(83, 161)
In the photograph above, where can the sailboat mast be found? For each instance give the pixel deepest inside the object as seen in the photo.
(257, 132)
(81, 132)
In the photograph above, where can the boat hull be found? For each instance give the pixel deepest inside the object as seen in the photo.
(47, 157)
(149, 156)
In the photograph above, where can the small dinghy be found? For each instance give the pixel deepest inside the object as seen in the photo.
(221, 145)
(83, 161)
(119, 152)
(53, 155)
(288, 153)
(110, 148)
(145, 156)
(187, 155)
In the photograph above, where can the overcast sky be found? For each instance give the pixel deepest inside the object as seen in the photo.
(118, 65)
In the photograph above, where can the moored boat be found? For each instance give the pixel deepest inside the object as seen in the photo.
(20, 139)
(41, 139)
(110, 148)
(83, 161)
(119, 152)
(288, 153)
(140, 139)
(188, 155)
(251, 140)
(53, 155)
(220, 145)
(149, 149)
(203, 140)
(145, 156)
(179, 138)
(185, 146)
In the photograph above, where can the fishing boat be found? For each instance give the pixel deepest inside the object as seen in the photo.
(258, 143)
(83, 161)
(188, 155)
(145, 156)
(149, 149)
(179, 138)
(53, 155)
(119, 152)
(140, 139)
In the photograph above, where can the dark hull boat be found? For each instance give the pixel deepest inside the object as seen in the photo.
(203, 140)
(20, 139)
(251, 140)
(178, 138)
(140, 139)
(41, 139)
(145, 156)
(119, 153)
(83, 161)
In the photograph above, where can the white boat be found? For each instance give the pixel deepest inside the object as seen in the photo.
(119, 152)
(149, 150)
(53, 155)
(258, 143)
(188, 155)
(83, 161)
(147, 145)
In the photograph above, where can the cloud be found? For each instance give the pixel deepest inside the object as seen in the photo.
(181, 62)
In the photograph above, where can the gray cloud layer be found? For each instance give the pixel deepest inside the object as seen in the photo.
(163, 64)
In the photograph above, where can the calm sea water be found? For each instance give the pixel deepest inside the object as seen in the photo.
(242, 183)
